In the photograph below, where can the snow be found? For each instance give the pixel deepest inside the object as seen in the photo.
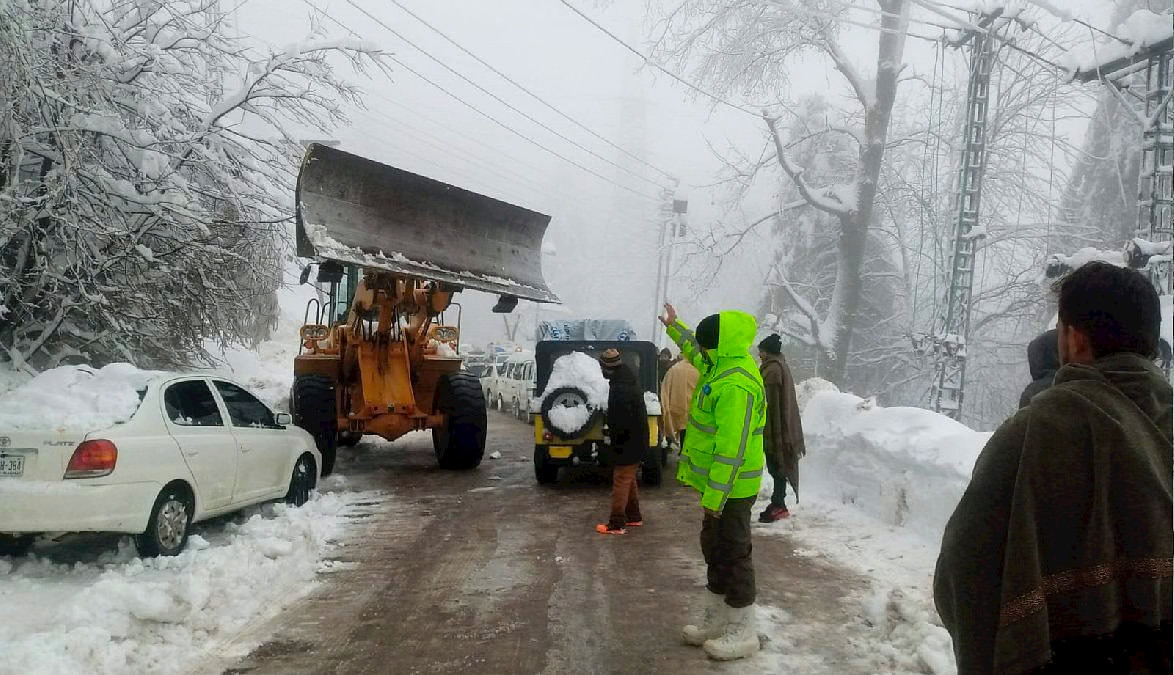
(569, 419)
(122, 614)
(582, 372)
(1089, 254)
(1141, 29)
(652, 403)
(878, 486)
(443, 349)
(81, 398)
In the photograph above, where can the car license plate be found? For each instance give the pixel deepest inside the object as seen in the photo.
(11, 465)
(560, 451)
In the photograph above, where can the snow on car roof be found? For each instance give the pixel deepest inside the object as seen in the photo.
(76, 398)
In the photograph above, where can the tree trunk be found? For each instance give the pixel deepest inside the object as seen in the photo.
(854, 226)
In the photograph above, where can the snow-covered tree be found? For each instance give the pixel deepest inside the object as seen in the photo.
(147, 165)
(746, 47)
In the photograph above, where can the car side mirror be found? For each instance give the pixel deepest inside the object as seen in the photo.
(284, 419)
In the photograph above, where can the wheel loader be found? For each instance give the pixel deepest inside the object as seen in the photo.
(379, 347)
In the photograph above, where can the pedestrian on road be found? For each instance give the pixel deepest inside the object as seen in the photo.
(783, 441)
(664, 361)
(722, 459)
(1058, 557)
(676, 392)
(1043, 360)
(627, 427)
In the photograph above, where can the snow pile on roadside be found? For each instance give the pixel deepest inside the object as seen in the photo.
(84, 398)
(878, 486)
(122, 614)
(807, 389)
(582, 372)
(905, 467)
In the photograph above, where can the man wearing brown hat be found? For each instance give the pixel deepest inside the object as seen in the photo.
(783, 441)
(627, 428)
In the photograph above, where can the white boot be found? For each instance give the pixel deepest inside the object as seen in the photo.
(740, 639)
(713, 624)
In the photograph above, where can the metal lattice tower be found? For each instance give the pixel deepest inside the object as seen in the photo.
(1155, 218)
(949, 338)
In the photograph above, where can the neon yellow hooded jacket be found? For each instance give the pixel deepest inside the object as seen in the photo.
(723, 457)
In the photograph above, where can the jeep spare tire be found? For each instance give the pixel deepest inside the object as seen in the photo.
(566, 412)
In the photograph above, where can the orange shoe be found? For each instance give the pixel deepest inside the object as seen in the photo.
(604, 529)
(635, 523)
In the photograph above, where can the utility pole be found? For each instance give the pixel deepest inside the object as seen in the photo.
(948, 341)
(673, 222)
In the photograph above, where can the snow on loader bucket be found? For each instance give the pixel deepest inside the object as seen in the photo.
(353, 210)
(377, 355)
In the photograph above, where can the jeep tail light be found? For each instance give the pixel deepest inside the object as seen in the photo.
(92, 459)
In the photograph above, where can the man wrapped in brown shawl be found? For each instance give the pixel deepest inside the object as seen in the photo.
(1058, 557)
(783, 439)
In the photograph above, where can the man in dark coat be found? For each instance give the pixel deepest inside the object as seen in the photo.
(627, 424)
(783, 439)
(1058, 558)
(1043, 360)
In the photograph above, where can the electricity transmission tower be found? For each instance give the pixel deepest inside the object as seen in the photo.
(948, 341)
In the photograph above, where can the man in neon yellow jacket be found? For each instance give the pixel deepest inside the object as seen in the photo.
(723, 460)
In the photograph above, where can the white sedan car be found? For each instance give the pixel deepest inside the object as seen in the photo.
(196, 447)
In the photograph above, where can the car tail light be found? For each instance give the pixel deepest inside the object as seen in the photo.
(92, 459)
(547, 436)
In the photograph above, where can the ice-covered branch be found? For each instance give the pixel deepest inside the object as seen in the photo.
(822, 202)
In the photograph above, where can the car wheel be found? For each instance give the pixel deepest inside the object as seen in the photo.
(15, 545)
(544, 472)
(301, 483)
(167, 528)
(315, 410)
(460, 442)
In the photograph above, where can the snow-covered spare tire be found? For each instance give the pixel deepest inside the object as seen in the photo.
(575, 393)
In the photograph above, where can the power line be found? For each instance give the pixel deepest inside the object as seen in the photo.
(499, 99)
(491, 118)
(487, 165)
(536, 97)
(656, 65)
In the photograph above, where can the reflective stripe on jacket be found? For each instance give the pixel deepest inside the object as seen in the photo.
(723, 456)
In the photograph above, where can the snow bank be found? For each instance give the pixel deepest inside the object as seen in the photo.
(75, 398)
(878, 486)
(902, 466)
(123, 614)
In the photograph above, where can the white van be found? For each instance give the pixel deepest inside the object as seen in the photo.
(515, 385)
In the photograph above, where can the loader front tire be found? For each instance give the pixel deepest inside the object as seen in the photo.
(460, 442)
(313, 402)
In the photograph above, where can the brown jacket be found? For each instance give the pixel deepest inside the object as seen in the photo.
(783, 442)
(676, 392)
(1065, 531)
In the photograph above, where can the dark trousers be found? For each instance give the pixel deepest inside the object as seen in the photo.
(778, 473)
(625, 496)
(725, 543)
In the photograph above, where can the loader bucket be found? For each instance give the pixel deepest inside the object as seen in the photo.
(354, 210)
